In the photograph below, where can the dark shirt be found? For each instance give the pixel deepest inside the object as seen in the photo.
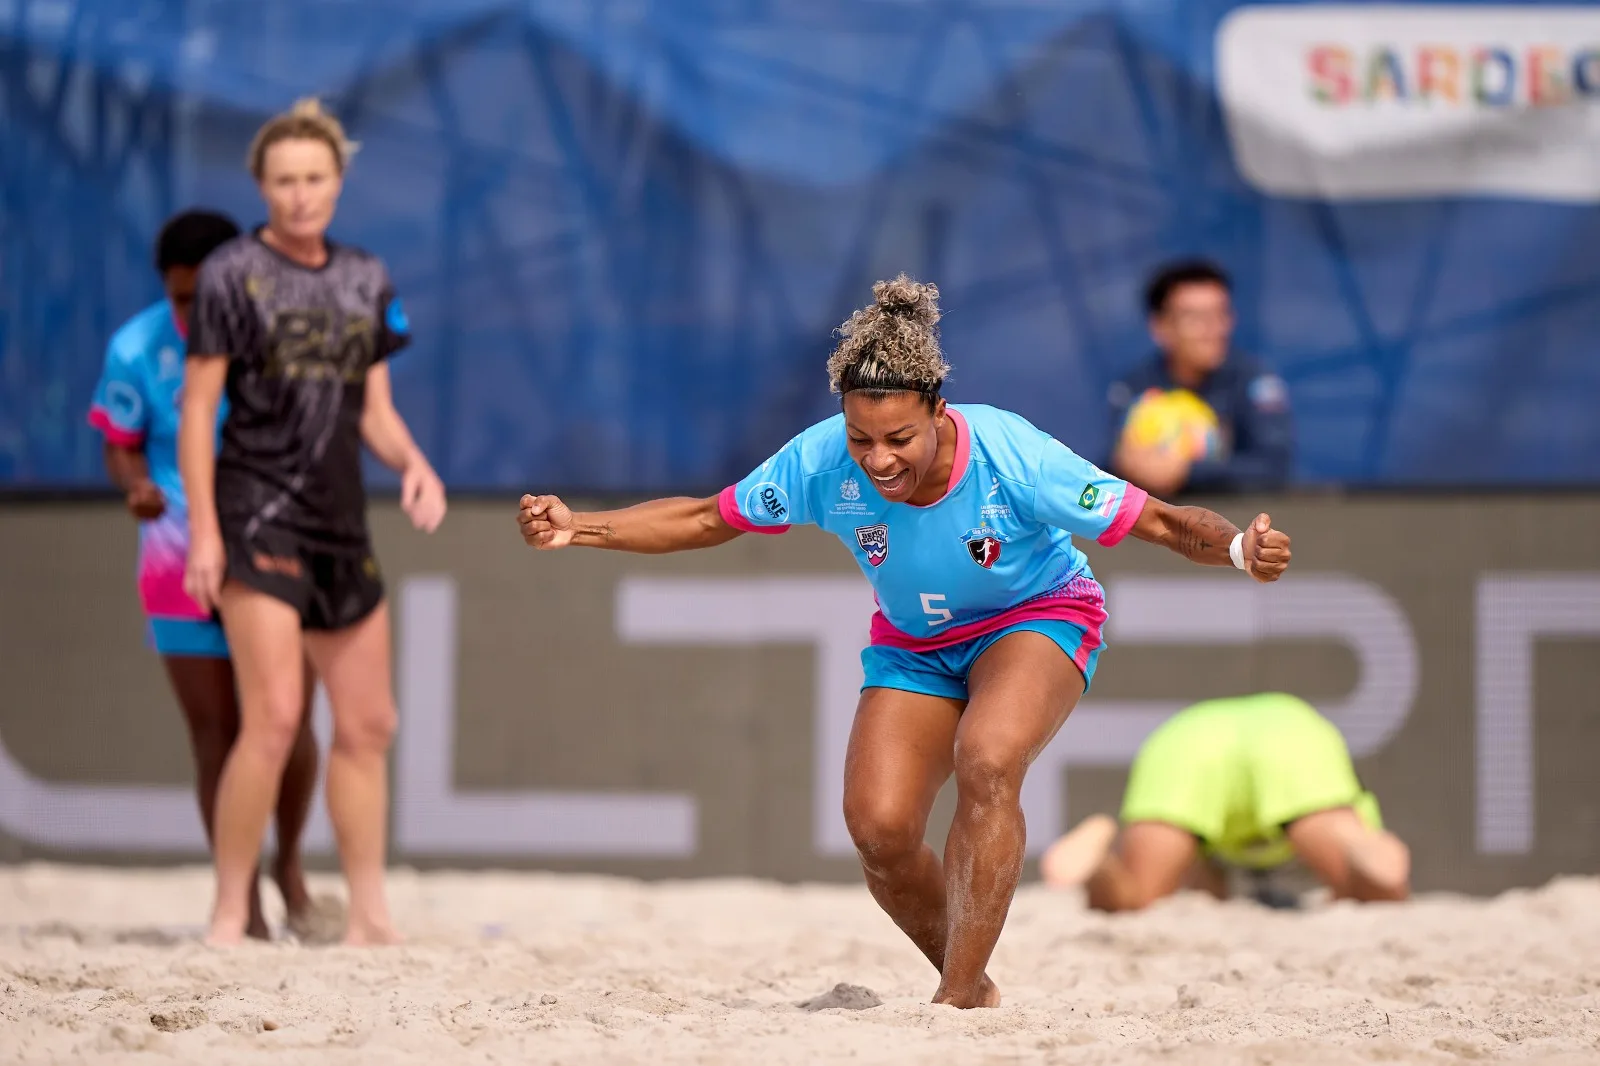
(1253, 414)
(299, 342)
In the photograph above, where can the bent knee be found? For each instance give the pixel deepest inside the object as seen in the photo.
(367, 731)
(271, 723)
(989, 774)
(882, 833)
(1380, 868)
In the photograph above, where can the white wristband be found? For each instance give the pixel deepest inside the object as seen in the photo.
(1236, 550)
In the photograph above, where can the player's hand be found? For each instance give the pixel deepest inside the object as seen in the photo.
(202, 575)
(1265, 550)
(546, 522)
(145, 501)
(422, 496)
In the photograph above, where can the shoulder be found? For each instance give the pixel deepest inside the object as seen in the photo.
(137, 338)
(820, 448)
(230, 259)
(1005, 440)
(358, 260)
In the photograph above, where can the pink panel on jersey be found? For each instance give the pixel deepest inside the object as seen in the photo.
(1127, 514)
(100, 419)
(963, 453)
(1080, 601)
(728, 508)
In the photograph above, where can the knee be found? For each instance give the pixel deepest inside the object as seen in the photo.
(883, 832)
(212, 737)
(1381, 869)
(988, 774)
(272, 728)
(369, 730)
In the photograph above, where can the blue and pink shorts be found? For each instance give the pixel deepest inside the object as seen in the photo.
(943, 671)
(188, 637)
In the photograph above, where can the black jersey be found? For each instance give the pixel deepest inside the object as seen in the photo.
(299, 342)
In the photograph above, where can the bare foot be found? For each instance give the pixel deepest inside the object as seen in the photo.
(224, 934)
(1074, 858)
(228, 927)
(363, 934)
(987, 995)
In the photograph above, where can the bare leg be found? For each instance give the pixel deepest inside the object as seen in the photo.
(298, 787)
(1022, 690)
(354, 664)
(1153, 860)
(264, 636)
(1208, 877)
(1355, 862)
(205, 689)
(901, 751)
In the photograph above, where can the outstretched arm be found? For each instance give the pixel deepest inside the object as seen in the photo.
(1207, 538)
(651, 528)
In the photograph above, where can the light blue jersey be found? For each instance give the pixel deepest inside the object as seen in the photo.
(136, 406)
(995, 550)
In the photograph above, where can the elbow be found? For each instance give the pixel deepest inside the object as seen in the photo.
(711, 528)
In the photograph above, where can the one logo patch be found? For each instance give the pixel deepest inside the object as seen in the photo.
(850, 489)
(983, 545)
(767, 500)
(874, 540)
(1089, 498)
(125, 403)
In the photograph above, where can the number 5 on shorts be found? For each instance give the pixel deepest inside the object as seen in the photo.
(940, 615)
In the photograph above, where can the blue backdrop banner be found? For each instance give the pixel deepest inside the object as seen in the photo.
(624, 232)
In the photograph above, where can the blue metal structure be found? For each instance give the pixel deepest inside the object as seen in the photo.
(624, 232)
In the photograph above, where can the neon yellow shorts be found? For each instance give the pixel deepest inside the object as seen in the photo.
(1235, 772)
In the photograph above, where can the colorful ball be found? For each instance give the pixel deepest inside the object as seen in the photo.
(1173, 420)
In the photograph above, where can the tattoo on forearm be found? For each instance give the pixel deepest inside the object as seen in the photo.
(1202, 535)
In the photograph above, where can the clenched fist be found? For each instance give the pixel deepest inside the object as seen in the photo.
(546, 522)
(1266, 550)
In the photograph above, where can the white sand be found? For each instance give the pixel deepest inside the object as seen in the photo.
(99, 967)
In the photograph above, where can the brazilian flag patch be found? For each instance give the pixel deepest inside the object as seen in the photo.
(1090, 497)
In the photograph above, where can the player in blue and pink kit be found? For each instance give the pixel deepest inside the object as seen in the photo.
(135, 408)
(989, 622)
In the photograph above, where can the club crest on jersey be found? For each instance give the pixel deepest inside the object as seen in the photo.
(983, 545)
(874, 540)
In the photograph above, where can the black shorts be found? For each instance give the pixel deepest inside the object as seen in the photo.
(330, 588)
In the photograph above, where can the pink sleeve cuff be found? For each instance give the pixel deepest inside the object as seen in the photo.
(100, 419)
(1128, 513)
(728, 508)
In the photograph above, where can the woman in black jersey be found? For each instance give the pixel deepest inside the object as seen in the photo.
(298, 329)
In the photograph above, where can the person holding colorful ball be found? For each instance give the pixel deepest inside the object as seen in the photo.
(1199, 417)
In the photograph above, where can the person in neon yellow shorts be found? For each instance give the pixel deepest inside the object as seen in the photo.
(1250, 782)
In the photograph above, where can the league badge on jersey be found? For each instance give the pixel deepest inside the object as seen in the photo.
(874, 540)
(983, 545)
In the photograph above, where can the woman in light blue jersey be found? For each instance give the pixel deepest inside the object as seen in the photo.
(988, 628)
(135, 408)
